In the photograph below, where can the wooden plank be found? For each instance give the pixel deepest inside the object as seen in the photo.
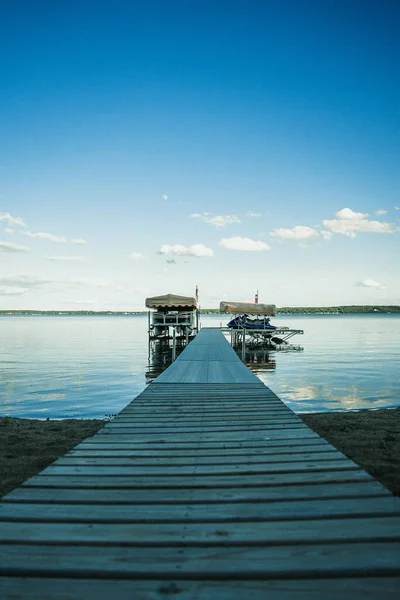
(251, 390)
(261, 445)
(218, 436)
(209, 534)
(239, 407)
(188, 481)
(88, 449)
(103, 495)
(176, 513)
(368, 588)
(240, 404)
(196, 429)
(234, 433)
(185, 423)
(178, 417)
(58, 468)
(208, 420)
(187, 413)
(233, 562)
(223, 461)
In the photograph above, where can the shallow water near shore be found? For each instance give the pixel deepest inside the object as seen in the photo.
(92, 366)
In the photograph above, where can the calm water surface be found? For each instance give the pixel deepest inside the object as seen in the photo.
(88, 367)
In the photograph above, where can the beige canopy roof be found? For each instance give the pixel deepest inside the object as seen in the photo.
(248, 308)
(171, 302)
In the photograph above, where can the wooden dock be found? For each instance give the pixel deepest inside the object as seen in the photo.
(205, 487)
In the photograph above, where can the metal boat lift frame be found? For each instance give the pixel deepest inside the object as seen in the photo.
(261, 337)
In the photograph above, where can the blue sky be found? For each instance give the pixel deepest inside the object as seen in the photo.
(147, 147)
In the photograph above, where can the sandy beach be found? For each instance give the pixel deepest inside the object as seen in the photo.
(370, 438)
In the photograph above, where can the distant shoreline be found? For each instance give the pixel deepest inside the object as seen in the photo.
(285, 310)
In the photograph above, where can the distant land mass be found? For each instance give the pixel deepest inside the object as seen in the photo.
(283, 310)
(329, 310)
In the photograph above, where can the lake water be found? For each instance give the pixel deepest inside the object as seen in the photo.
(92, 366)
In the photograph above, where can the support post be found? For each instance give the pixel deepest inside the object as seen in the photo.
(243, 343)
(173, 343)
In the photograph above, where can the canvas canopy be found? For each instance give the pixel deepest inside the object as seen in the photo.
(248, 308)
(171, 302)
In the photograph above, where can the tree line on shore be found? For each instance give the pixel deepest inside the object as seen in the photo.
(288, 310)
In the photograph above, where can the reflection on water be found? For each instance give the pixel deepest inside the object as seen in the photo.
(160, 356)
(88, 367)
(257, 359)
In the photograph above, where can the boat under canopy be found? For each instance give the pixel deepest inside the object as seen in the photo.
(248, 308)
(170, 302)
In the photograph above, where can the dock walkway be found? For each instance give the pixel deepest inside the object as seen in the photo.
(205, 487)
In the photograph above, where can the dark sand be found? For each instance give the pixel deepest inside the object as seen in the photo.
(370, 438)
(27, 446)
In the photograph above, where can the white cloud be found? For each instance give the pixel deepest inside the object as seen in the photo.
(136, 256)
(67, 258)
(59, 239)
(78, 241)
(351, 223)
(347, 213)
(23, 281)
(299, 232)
(13, 291)
(244, 244)
(218, 221)
(98, 282)
(8, 247)
(381, 211)
(253, 215)
(178, 250)
(16, 221)
(327, 235)
(81, 302)
(397, 207)
(370, 283)
(171, 261)
(165, 197)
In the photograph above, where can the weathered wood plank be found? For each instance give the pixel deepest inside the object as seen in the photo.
(188, 481)
(321, 458)
(208, 534)
(170, 413)
(219, 436)
(94, 450)
(259, 427)
(260, 445)
(58, 468)
(132, 423)
(201, 512)
(233, 562)
(103, 495)
(370, 588)
(216, 415)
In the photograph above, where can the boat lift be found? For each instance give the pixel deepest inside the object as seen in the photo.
(173, 318)
(256, 332)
